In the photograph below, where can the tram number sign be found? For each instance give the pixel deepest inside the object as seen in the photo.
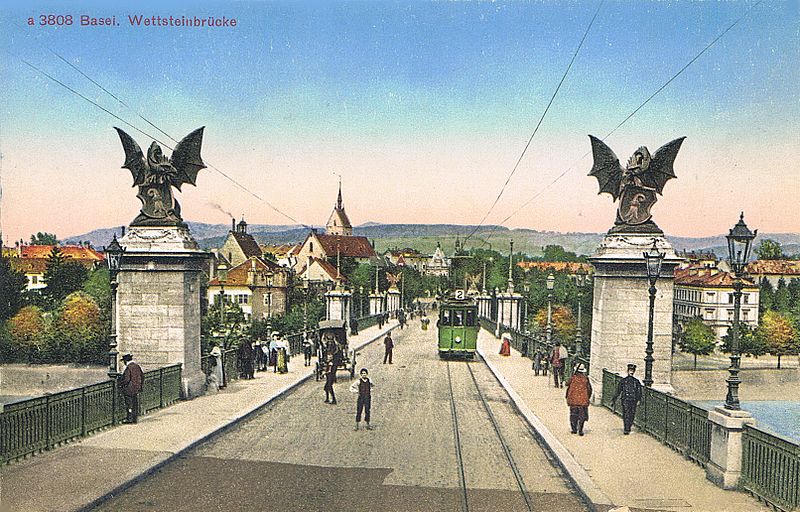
(459, 294)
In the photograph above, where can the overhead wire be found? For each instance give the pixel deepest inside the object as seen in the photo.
(538, 124)
(629, 116)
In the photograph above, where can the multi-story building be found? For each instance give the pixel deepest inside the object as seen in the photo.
(774, 270)
(31, 260)
(407, 257)
(438, 264)
(258, 286)
(707, 292)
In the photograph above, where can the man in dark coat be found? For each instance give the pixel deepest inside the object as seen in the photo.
(330, 379)
(389, 344)
(631, 391)
(131, 384)
(246, 359)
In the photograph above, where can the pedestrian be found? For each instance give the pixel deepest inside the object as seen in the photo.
(330, 379)
(307, 349)
(558, 358)
(273, 352)
(131, 384)
(505, 347)
(353, 326)
(631, 391)
(246, 359)
(537, 362)
(216, 359)
(389, 347)
(579, 391)
(264, 355)
(363, 387)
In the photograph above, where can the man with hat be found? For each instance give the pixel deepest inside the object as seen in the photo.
(131, 384)
(631, 391)
(579, 391)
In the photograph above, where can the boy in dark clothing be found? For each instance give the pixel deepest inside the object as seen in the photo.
(389, 343)
(631, 390)
(363, 387)
(330, 379)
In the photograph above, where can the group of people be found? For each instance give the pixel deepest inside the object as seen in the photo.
(555, 360)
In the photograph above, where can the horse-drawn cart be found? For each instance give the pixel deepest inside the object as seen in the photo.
(333, 341)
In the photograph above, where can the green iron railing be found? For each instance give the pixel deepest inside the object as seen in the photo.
(41, 423)
(678, 424)
(771, 468)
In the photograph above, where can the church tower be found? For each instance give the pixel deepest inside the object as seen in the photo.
(338, 223)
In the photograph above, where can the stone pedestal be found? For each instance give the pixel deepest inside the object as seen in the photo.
(508, 310)
(158, 301)
(393, 301)
(725, 465)
(375, 304)
(621, 306)
(337, 305)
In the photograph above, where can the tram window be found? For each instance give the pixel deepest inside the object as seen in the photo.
(446, 317)
(470, 318)
(458, 318)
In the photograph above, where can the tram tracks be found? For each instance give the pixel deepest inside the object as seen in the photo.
(503, 443)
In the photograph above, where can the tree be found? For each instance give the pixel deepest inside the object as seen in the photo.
(44, 239)
(749, 343)
(558, 253)
(777, 332)
(697, 339)
(564, 325)
(27, 331)
(77, 334)
(62, 277)
(782, 300)
(770, 250)
(12, 289)
(766, 296)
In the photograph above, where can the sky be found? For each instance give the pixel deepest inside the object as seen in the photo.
(423, 108)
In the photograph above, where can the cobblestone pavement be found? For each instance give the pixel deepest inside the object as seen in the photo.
(303, 454)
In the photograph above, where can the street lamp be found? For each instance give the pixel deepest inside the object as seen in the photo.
(551, 283)
(740, 239)
(113, 254)
(653, 259)
(580, 280)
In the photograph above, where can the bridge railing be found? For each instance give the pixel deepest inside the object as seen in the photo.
(678, 424)
(529, 344)
(771, 468)
(41, 423)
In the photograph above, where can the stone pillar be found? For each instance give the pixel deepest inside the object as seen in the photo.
(725, 461)
(620, 309)
(337, 305)
(484, 305)
(375, 303)
(508, 313)
(158, 301)
(393, 301)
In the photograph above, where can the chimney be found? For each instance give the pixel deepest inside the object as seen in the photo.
(233, 225)
(123, 230)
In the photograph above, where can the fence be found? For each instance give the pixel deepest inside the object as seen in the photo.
(676, 423)
(529, 344)
(41, 423)
(771, 468)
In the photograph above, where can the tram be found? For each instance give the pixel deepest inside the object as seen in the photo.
(458, 326)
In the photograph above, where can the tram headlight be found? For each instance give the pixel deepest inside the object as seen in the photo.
(458, 339)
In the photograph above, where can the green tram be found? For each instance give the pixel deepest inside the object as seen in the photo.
(458, 326)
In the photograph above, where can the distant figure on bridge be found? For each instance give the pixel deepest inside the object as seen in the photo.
(216, 360)
(330, 379)
(246, 359)
(558, 358)
(579, 391)
(505, 347)
(539, 363)
(401, 318)
(631, 391)
(389, 347)
(353, 326)
(131, 384)
(307, 349)
(363, 386)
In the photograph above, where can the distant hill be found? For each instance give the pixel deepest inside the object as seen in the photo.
(424, 237)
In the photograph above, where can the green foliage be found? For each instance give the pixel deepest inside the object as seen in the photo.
(12, 290)
(563, 323)
(697, 338)
(770, 250)
(782, 299)
(98, 286)
(766, 296)
(44, 239)
(62, 277)
(557, 253)
(749, 343)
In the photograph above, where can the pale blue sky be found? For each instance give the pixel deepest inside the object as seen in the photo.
(394, 95)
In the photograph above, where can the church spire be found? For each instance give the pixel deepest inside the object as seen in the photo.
(339, 198)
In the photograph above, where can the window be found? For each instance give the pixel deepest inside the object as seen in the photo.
(34, 279)
(458, 318)
(470, 318)
(243, 299)
(730, 298)
(446, 320)
(745, 314)
(311, 247)
(746, 297)
(268, 299)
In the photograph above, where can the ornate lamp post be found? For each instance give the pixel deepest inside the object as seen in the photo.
(113, 254)
(551, 283)
(580, 280)
(653, 259)
(740, 238)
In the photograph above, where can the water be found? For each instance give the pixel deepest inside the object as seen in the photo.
(778, 416)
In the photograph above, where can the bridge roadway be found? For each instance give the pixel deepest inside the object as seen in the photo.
(302, 454)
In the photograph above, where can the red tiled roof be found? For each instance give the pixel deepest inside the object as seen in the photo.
(76, 252)
(348, 246)
(776, 267)
(326, 266)
(237, 276)
(247, 243)
(706, 277)
(556, 266)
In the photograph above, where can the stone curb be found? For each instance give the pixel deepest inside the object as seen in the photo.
(280, 393)
(590, 493)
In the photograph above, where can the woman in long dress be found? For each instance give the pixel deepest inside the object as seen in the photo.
(216, 353)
